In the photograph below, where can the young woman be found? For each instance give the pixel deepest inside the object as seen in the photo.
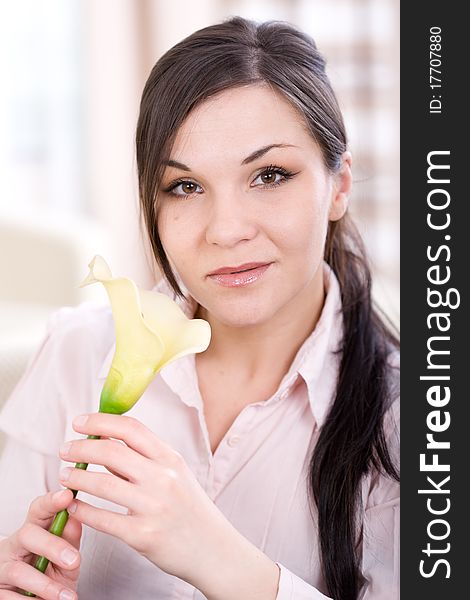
(265, 467)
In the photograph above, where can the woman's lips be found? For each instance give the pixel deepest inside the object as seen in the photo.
(245, 275)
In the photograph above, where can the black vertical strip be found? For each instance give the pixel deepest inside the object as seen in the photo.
(435, 271)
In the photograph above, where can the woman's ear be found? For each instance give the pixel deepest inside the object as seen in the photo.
(342, 185)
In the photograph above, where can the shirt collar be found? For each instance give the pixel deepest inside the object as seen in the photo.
(318, 359)
(316, 362)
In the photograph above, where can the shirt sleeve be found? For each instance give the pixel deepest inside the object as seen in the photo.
(292, 587)
(37, 416)
(381, 535)
(381, 525)
(380, 560)
(25, 474)
(32, 414)
(31, 421)
(381, 552)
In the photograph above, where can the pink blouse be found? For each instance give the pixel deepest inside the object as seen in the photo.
(256, 477)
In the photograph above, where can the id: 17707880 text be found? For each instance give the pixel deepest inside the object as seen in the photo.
(435, 72)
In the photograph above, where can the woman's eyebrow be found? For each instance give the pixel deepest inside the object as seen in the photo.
(262, 151)
(174, 163)
(253, 156)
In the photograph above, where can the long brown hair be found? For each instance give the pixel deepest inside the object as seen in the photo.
(240, 52)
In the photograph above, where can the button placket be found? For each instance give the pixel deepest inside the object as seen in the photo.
(289, 388)
(233, 440)
(225, 456)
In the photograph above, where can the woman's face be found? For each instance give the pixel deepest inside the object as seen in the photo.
(244, 207)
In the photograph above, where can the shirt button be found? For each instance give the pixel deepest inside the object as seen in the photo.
(233, 440)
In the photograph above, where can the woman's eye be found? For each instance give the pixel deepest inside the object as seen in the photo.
(272, 177)
(268, 178)
(185, 188)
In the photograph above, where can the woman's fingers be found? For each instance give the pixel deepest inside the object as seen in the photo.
(105, 486)
(110, 469)
(33, 539)
(130, 430)
(9, 595)
(43, 508)
(21, 575)
(108, 453)
(38, 541)
(116, 474)
(101, 519)
(73, 532)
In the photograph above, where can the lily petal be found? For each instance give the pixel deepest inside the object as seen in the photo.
(181, 335)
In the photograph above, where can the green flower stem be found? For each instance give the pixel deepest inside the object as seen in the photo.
(58, 524)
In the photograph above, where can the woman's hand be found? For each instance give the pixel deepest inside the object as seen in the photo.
(170, 519)
(18, 552)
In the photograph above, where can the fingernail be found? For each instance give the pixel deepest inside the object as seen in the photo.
(65, 473)
(56, 495)
(68, 556)
(72, 508)
(80, 420)
(65, 448)
(67, 595)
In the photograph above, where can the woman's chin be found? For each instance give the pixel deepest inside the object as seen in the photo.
(241, 316)
(240, 310)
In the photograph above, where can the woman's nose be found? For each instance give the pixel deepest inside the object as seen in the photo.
(229, 222)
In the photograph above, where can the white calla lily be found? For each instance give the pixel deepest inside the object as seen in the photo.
(151, 331)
